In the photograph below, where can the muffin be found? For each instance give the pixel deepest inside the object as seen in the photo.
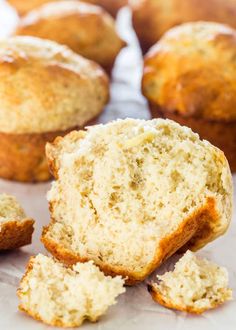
(190, 77)
(16, 228)
(65, 297)
(24, 6)
(45, 90)
(131, 193)
(194, 286)
(158, 16)
(89, 31)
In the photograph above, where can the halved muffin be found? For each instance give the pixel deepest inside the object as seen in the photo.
(130, 193)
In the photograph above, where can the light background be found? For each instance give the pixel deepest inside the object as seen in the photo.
(135, 309)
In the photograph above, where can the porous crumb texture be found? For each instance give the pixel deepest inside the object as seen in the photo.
(195, 285)
(90, 31)
(15, 228)
(45, 87)
(130, 193)
(66, 297)
(10, 209)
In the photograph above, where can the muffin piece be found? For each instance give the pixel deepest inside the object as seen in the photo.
(24, 6)
(190, 77)
(195, 286)
(15, 228)
(46, 90)
(90, 31)
(159, 16)
(130, 193)
(64, 297)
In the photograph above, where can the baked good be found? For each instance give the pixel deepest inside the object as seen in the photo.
(90, 31)
(24, 6)
(194, 286)
(64, 297)
(189, 76)
(130, 193)
(45, 90)
(16, 228)
(159, 16)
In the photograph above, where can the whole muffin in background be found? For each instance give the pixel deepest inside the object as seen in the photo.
(190, 77)
(86, 29)
(46, 90)
(24, 6)
(158, 16)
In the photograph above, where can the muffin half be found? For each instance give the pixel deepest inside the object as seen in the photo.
(130, 193)
(46, 90)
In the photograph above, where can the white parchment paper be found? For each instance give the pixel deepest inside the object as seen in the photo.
(135, 309)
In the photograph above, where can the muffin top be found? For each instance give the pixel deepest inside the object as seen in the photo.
(24, 6)
(159, 16)
(90, 31)
(192, 71)
(46, 87)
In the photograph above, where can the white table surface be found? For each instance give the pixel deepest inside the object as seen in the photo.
(135, 309)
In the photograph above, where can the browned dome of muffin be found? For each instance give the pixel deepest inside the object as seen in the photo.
(158, 16)
(24, 6)
(190, 76)
(45, 90)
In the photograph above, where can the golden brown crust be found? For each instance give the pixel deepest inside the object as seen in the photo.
(160, 299)
(24, 6)
(112, 6)
(159, 16)
(220, 134)
(46, 87)
(90, 31)
(204, 218)
(16, 233)
(22, 156)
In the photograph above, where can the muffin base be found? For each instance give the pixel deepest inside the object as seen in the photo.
(22, 156)
(220, 134)
(16, 233)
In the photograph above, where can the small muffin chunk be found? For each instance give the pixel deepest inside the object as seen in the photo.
(15, 228)
(130, 193)
(195, 285)
(158, 16)
(65, 297)
(90, 31)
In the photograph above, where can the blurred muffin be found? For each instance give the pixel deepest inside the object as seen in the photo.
(45, 90)
(158, 16)
(89, 31)
(24, 6)
(190, 77)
